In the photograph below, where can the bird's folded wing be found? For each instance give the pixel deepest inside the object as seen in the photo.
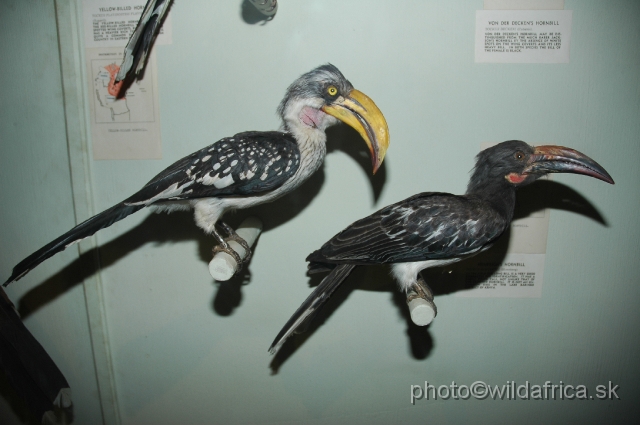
(425, 226)
(246, 164)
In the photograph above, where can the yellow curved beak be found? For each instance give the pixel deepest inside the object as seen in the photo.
(358, 111)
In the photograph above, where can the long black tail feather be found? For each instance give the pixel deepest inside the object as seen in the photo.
(309, 308)
(81, 231)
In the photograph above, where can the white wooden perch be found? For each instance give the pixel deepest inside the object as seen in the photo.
(422, 310)
(223, 266)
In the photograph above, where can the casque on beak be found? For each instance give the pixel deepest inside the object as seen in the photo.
(358, 111)
(558, 159)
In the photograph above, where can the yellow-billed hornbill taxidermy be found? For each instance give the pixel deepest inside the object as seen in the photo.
(249, 168)
(435, 229)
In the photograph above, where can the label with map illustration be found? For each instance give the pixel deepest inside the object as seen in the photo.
(124, 120)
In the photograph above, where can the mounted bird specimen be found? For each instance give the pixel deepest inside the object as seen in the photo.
(141, 41)
(144, 34)
(249, 168)
(435, 229)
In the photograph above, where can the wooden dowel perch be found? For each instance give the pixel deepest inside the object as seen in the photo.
(422, 308)
(422, 311)
(223, 266)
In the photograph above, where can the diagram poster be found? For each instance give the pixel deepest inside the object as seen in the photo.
(123, 125)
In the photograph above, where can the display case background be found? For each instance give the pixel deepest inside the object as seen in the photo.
(150, 338)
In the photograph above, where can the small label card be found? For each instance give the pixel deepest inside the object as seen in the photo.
(523, 36)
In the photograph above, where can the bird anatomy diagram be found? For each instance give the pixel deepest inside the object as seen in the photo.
(136, 105)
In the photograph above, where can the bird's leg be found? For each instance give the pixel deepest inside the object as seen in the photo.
(420, 290)
(223, 246)
(420, 300)
(233, 236)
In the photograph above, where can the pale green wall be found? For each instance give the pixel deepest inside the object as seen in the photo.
(188, 350)
(36, 202)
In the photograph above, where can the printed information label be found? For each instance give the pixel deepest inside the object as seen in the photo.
(516, 276)
(523, 36)
(110, 23)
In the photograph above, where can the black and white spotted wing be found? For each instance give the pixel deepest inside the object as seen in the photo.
(249, 163)
(423, 227)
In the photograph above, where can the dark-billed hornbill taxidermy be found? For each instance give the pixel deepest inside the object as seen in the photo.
(249, 168)
(435, 229)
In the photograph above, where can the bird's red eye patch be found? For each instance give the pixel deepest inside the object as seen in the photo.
(515, 178)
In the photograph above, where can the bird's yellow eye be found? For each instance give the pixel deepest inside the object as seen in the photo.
(332, 90)
(519, 156)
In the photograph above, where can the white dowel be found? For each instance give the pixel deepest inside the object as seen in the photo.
(422, 311)
(223, 266)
